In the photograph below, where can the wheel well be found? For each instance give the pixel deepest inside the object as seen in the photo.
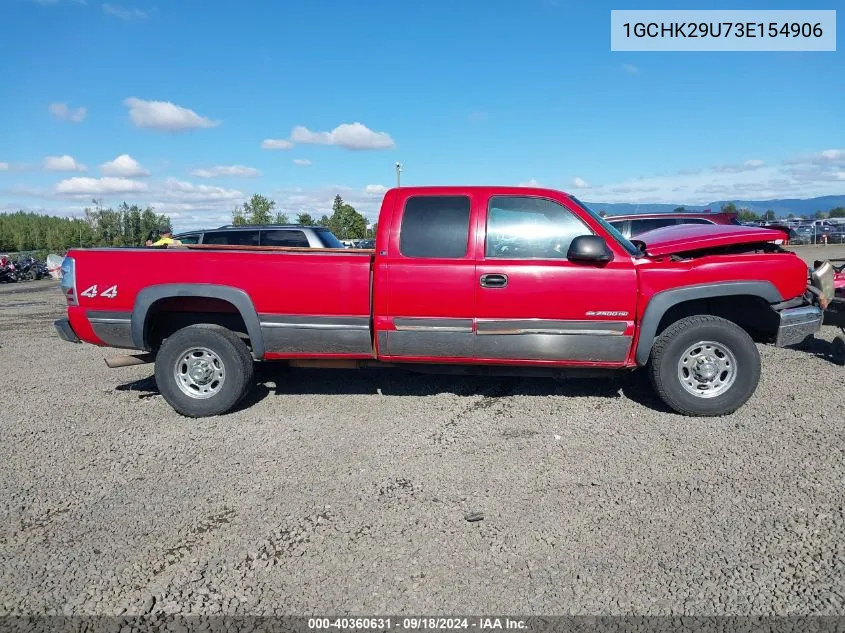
(170, 314)
(752, 313)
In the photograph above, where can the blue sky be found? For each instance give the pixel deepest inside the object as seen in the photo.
(186, 92)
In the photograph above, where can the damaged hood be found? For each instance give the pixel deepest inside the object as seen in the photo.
(693, 237)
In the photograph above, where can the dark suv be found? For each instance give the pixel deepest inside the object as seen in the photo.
(289, 235)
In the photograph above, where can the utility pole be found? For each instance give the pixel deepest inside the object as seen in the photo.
(398, 174)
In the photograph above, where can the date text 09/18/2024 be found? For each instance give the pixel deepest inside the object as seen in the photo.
(415, 623)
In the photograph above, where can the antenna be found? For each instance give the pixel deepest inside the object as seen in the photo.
(398, 172)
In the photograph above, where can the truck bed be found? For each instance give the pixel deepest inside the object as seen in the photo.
(306, 301)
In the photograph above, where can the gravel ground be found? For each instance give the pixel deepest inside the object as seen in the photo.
(347, 492)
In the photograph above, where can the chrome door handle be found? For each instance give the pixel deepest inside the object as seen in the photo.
(494, 280)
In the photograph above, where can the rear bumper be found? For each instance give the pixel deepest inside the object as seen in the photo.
(65, 331)
(796, 324)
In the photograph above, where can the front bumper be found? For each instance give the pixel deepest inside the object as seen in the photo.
(65, 331)
(796, 324)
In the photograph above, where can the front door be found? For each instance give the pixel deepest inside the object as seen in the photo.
(532, 303)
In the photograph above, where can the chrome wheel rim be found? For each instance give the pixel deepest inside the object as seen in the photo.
(707, 369)
(200, 373)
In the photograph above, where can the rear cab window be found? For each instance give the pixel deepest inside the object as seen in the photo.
(435, 227)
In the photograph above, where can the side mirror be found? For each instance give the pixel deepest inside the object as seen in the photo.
(589, 249)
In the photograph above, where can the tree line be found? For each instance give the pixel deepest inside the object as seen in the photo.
(344, 221)
(127, 225)
(746, 215)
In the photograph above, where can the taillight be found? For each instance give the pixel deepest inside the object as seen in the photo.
(68, 283)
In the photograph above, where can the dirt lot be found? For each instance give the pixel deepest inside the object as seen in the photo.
(336, 492)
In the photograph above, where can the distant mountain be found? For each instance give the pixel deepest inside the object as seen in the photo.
(781, 207)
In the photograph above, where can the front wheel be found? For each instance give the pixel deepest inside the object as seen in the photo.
(203, 370)
(704, 366)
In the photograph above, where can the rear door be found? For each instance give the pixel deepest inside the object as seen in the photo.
(426, 279)
(533, 304)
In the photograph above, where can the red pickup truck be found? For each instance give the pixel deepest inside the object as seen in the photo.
(498, 280)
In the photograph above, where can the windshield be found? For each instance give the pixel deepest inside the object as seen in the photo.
(625, 243)
(328, 239)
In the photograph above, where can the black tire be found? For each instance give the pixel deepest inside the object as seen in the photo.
(671, 346)
(838, 350)
(235, 367)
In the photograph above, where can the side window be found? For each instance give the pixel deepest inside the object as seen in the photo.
(694, 221)
(525, 228)
(284, 238)
(649, 224)
(435, 226)
(232, 238)
(194, 238)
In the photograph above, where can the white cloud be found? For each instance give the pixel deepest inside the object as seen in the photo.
(125, 166)
(630, 68)
(529, 183)
(66, 113)
(355, 136)
(184, 191)
(98, 186)
(124, 13)
(375, 190)
(833, 154)
(164, 115)
(4, 166)
(276, 143)
(748, 165)
(826, 157)
(236, 171)
(303, 162)
(805, 176)
(62, 163)
(580, 183)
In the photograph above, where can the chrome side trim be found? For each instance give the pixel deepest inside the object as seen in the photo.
(547, 326)
(431, 344)
(306, 340)
(314, 322)
(563, 347)
(403, 324)
(108, 316)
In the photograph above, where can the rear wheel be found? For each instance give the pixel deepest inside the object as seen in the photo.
(704, 366)
(203, 370)
(838, 352)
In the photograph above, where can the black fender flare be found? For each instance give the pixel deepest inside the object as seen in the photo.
(662, 301)
(237, 297)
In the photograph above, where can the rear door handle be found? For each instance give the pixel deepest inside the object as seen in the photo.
(494, 280)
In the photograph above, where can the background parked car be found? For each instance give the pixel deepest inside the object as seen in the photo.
(633, 225)
(291, 235)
